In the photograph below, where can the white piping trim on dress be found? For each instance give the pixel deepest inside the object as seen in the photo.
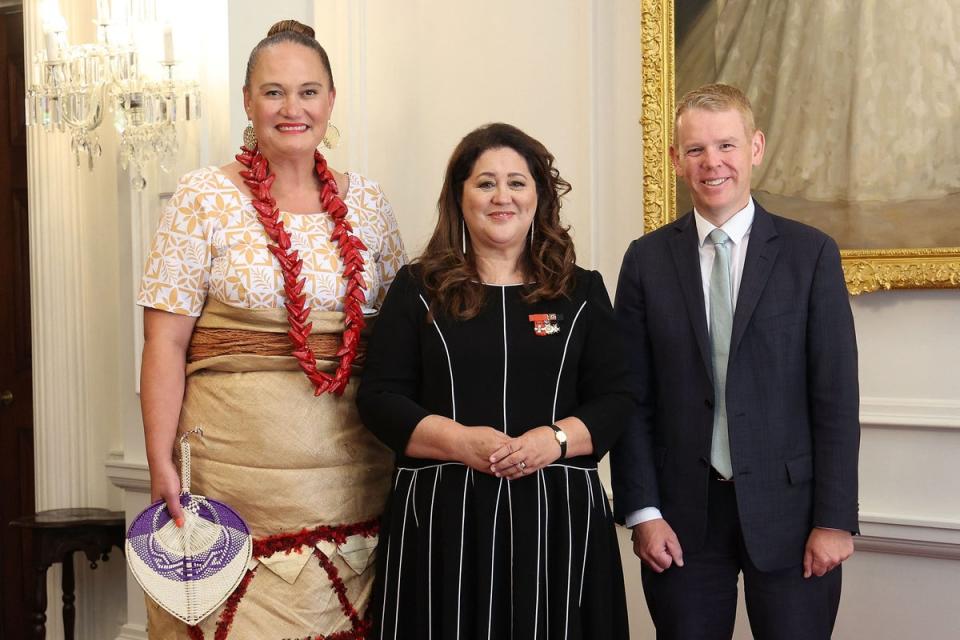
(566, 615)
(460, 464)
(536, 600)
(386, 581)
(563, 359)
(493, 554)
(436, 477)
(403, 536)
(453, 396)
(416, 474)
(590, 487)
(432, 466)
(503, 307)
(546, 557)
(463, 524)
(586, 540)
(571, 466)
(510, 504)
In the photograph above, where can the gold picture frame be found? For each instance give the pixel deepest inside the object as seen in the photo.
(865, 270)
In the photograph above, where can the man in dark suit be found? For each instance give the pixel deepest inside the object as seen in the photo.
(743, 458)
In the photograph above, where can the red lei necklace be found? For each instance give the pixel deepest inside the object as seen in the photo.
(258, 178)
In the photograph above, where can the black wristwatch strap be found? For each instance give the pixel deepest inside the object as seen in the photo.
(561, 437)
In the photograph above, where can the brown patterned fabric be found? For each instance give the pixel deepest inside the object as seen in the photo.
(210, 343)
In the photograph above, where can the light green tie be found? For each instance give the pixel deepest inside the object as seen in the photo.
(721, 325)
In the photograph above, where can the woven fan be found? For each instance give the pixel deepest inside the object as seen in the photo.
(189, 570)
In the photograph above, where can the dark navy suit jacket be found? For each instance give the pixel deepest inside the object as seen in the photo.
(792, 391)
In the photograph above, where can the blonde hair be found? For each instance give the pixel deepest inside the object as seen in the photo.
(715, 97)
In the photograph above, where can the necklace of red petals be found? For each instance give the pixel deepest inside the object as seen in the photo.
(258, 178)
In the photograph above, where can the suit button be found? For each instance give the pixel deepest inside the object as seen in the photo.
(709, 403)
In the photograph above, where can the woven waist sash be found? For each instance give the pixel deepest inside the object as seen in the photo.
(235, 339)
(208, 342)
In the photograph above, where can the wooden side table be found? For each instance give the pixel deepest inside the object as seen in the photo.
(56, 535)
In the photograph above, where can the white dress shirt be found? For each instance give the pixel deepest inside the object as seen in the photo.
(737, 229)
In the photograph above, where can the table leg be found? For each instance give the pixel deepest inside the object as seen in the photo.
(40, 605)
(69, 585)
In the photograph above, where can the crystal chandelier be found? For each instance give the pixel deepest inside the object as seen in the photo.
(74, 85)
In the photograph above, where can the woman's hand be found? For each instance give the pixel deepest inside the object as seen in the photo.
(475, 445)
(439, 438)
(165, 485)
(165, 339)
(525, 454)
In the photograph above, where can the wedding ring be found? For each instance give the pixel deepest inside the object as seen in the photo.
(522, 465)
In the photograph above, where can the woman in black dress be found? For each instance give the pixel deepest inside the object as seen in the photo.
(496, 374)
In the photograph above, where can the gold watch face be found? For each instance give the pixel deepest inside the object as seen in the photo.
(561, 436)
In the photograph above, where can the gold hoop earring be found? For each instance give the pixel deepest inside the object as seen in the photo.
(463, 236)
(331, 139)
(531, 237)
(250, 137)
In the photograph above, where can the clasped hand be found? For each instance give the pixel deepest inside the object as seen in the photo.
(490, 451)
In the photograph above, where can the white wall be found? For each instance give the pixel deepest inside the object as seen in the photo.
(413, 78)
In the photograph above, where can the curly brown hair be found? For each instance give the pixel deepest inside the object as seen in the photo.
(288, 31)
(450, 275)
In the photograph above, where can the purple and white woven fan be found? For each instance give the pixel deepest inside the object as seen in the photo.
(189, 570)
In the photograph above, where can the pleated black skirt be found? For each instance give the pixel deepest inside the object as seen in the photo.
(465, 555)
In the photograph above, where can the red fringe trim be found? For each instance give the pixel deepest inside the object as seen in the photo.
(288, 542)
(294, 542)
(226, 616)
(340, 588)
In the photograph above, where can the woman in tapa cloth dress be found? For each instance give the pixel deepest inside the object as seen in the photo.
(301, 470)
(496, 373)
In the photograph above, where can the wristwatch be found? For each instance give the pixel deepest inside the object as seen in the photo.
(561, 440)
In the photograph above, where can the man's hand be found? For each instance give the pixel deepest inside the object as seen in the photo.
(826, 549)
(657, 545)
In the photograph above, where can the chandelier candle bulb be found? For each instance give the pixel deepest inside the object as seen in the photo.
(168, 43)
(53, 47)
(103, 12)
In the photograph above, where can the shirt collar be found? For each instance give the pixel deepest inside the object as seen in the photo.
(736, 227)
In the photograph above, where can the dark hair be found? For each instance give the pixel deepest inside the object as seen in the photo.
(288, 31)
(450, 275)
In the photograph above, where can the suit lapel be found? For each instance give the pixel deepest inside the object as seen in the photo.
(686, 258)
(761, 255)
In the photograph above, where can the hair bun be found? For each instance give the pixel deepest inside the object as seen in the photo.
(291, 25)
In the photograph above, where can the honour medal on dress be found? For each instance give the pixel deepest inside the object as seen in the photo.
(545, 324)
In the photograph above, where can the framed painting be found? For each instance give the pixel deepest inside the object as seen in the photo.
(865, 148)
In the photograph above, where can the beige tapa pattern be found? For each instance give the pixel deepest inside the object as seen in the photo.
(209, 242)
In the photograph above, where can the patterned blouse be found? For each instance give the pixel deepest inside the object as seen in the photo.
(209, 242)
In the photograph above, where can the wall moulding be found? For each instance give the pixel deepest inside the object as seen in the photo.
(130, 475)
(936, 550)
(910, 413)
(909, 536)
